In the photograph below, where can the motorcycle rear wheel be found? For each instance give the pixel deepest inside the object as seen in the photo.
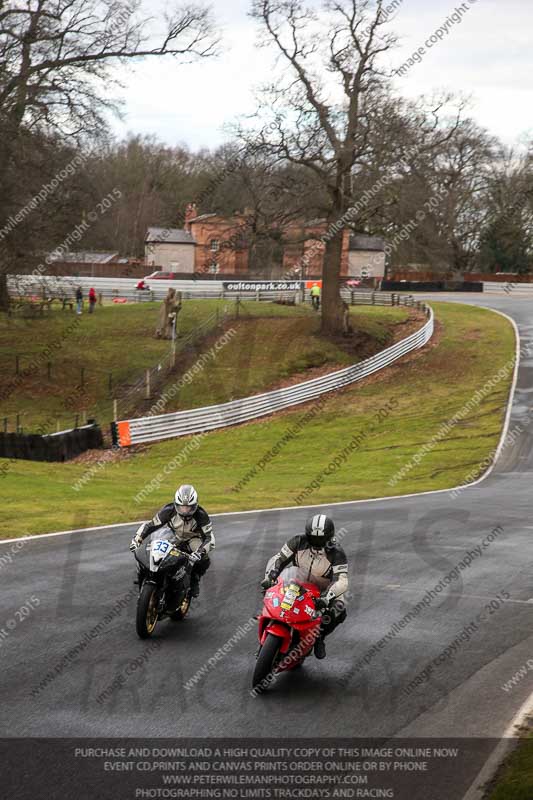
(266, 661)
(146, 618)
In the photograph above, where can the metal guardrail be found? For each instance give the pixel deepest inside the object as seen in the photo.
(28, 286)
(182, 423)
(109, 288)
(508, 288)
(126, 287)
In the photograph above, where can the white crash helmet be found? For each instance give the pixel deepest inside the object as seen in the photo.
(186, 501)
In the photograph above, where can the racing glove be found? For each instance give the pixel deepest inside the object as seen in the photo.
(321, 604)
(136, 542)
(197, 556)
(269, 580)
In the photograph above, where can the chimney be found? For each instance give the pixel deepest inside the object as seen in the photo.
(190, 214)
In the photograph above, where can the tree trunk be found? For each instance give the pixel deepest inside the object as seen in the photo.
(4, 296)
(332, 316)
(4, 262)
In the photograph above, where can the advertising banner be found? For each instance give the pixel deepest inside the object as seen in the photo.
(262, 286)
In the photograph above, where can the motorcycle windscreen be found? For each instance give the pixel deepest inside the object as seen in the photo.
(165, 532)
(300, 575)
(161, 544)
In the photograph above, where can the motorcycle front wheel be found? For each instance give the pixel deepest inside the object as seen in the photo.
(182, 610)
(266, 662)
(146, 619)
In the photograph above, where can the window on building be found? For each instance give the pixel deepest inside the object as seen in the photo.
(214, 268)
(215, 245)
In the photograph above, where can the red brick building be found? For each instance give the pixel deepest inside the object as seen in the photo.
(221, 245)
(305, 251)
(211, 243)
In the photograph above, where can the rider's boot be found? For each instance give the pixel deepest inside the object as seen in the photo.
(195, 585)
(320, 647)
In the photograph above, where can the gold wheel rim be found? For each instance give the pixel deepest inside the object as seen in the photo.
(151, 614)
(185, 605)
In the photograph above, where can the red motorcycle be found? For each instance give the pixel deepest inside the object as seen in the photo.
(288, 627)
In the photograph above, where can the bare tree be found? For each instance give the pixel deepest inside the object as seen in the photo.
(336, 54)
(446, 179)
(272, 198)
(332, 113)
(506, 243)
(56, 70)
(153, 180)
(57, 56)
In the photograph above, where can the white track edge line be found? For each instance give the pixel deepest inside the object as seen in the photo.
(478, 788)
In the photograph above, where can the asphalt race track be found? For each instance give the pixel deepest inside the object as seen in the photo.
(398, 550)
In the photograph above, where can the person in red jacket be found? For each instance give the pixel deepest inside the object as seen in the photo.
(92, 300)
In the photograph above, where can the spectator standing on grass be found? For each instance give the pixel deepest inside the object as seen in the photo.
(79, 300)
(92, 300)
(346, 324)
(315, 296)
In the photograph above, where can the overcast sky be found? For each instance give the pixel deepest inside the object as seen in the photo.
(488, 56)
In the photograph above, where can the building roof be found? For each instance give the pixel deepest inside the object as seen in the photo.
(363, 241)
(168, 236)
(84, 258)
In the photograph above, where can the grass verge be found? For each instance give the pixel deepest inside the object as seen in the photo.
(271, 343)
(389, 417)
(514, 780)
(96, 343)
(267, 352)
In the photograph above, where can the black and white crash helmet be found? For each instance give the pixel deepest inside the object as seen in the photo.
(186, 501)
(319, 530)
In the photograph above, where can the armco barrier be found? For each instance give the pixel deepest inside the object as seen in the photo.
(109, 288)
(431, 286)
(28, 285)
(181, 423)
(60, 446)
(509, 288)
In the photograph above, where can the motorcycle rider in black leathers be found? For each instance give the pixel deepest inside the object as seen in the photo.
(318, 553)
(192, 526)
